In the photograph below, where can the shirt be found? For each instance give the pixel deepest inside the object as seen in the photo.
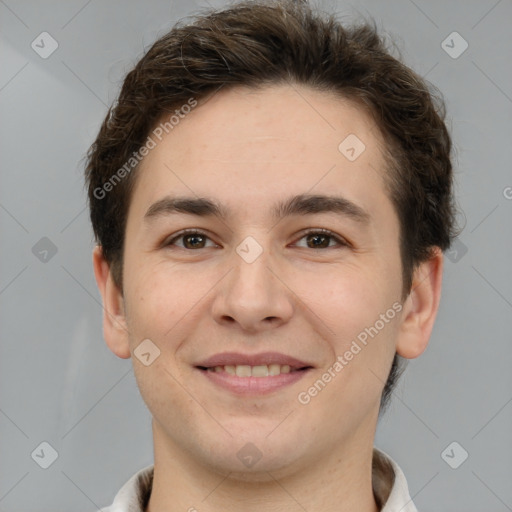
(388, 481)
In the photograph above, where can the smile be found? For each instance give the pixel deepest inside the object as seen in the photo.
(244, 370)
(255, 374)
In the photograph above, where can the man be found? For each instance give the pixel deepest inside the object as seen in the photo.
(271, 196)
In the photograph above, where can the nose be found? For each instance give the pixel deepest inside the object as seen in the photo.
(253, 296)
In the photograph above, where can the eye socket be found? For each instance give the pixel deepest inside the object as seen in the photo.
(192, 234)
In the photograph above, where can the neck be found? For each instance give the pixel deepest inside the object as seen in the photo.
(339, 481)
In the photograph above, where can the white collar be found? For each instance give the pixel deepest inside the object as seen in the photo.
(387, 478)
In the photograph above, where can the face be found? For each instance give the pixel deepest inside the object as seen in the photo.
(258, 309)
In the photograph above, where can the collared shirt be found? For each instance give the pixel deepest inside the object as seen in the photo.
(388, 481)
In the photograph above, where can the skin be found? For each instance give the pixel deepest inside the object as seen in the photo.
(248, 149)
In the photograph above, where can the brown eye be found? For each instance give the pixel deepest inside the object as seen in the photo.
(193, 241)
(321, 239)
(318, 240)
(190, 240)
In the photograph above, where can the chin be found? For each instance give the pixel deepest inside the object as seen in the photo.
(264, 470)
(252, 456)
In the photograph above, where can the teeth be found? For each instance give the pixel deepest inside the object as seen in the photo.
(229, 369)
(244, 370)
(274, 369)
(259, 371)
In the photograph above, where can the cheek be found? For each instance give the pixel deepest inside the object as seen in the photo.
(362, 312)
(344, 298)
(350, 301)
(161, 388)
(162, 299)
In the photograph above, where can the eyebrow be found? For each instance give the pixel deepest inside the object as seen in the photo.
(303, 204)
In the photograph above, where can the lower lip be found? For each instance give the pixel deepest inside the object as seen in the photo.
(253, 385)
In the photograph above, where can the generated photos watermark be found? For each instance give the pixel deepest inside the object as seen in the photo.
(304, 397)
(156, 136)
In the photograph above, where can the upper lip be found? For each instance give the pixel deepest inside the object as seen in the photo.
(263, 358)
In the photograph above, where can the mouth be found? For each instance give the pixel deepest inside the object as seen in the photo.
(261, 370)
(253, 374)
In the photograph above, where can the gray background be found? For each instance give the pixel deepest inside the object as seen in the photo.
(59, 381)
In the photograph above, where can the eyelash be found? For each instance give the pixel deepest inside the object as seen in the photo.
(319, 231)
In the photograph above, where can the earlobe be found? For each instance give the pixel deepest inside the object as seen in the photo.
(115, 329)
(420, 307)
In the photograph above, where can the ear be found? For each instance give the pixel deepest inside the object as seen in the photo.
(420, 307)
(115, 330)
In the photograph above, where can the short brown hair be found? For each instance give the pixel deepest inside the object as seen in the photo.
(269, 43)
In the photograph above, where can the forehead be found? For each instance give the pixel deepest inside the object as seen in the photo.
(282, 116)
(246, 142)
